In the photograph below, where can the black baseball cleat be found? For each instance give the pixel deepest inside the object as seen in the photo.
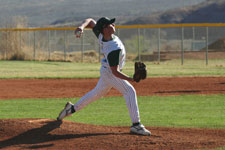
(67, 111)
(139, 129)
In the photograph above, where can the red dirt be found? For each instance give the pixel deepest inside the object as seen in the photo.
(50, 134)
(59, 88)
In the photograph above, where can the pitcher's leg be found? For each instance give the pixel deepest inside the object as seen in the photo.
(130, 96)
(100, 90)
(131, 102)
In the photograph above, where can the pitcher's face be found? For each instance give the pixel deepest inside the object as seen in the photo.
(110, 29)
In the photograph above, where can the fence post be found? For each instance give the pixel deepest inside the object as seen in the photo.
(82, 47)
(207, 38)
(54, 38)
(64, 45)
(29, 40)
(34, 54)
(193, 38)
(49, 55)
(118, 32)
(182, 45)
(6, 50)
(159, 38)
(139, 57)
(143, 40)
(20, 41)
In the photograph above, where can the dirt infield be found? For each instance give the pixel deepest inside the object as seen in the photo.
(46, 134)
(59, 88)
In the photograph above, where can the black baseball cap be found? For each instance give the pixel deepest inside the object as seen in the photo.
(102, 22)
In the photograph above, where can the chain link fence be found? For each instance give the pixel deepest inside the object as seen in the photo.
(143, 42)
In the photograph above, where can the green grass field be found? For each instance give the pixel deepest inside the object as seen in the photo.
(204, 111)
(44, 69)
(201, 111)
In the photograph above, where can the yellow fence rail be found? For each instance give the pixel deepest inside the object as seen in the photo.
(122, 27)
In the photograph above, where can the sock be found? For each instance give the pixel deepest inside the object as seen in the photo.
(72, 109)
(136, 124)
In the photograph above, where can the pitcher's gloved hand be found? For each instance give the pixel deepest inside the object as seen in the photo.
(140, 72)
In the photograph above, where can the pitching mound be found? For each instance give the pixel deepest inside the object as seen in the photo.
(46, 134)
(50, 134)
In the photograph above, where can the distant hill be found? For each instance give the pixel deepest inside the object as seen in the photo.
(70, 12)
(210, 11)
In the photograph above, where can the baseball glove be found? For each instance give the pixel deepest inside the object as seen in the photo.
(140, 71)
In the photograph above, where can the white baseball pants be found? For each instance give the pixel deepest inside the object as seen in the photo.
(105, 83)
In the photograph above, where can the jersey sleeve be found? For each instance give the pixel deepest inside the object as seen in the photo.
(114, 57)
(96, 32)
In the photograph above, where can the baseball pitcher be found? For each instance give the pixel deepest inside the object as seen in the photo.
(111, 73)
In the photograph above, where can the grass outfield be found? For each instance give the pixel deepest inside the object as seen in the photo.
(201, 111)
(44, 69)
(173, 111)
